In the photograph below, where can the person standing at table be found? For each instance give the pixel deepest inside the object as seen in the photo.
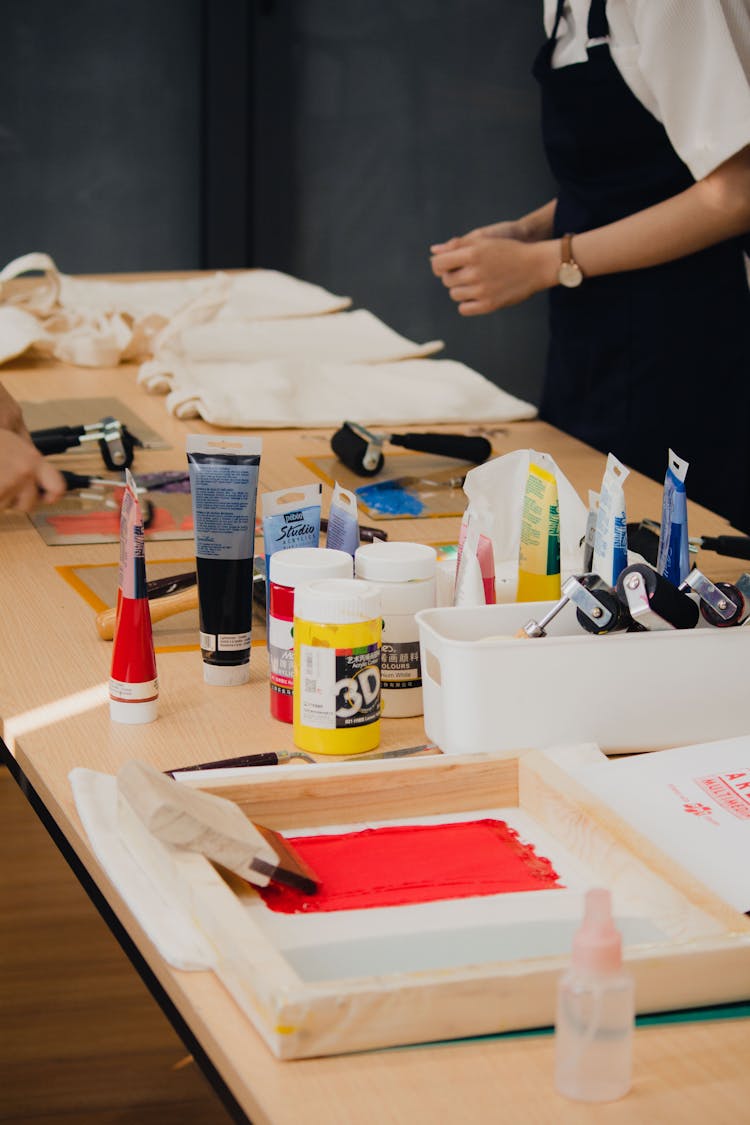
(25, 477)
(646, 126)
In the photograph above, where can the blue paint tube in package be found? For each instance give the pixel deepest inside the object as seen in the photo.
(224, 487)
(611, 537)
(343, 521)
(291, 518)
(673, 559)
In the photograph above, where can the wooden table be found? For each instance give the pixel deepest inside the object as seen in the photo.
(54, 671)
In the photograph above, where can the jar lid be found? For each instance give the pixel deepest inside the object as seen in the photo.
(337, 601)
(395, 562)
(305, 564)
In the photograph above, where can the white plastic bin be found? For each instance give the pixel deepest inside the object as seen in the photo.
(624, 691)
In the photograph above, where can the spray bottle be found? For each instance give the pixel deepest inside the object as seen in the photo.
(595, 1011)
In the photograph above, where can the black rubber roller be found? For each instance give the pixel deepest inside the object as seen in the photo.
(734, 597)
(664, 598)
(619, 620)
(350, 449)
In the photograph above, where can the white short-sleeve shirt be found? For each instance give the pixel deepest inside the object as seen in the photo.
(687, 61)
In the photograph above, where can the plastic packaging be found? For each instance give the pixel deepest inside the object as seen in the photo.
(343, 521)
(224, 486)
(539, 551)
(337, 638)
(673, 559)
(133, 684)
(595, 1011)
(290, 569)
(291, 518)
(611, 537)
(405, 575)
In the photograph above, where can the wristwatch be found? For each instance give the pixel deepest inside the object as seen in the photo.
(570, 273)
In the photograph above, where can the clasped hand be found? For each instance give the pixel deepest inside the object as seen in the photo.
(489, 268)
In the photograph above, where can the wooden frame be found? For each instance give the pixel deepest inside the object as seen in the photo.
(705, 960)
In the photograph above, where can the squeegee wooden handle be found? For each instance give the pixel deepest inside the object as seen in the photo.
(160, 608)
(460, 446)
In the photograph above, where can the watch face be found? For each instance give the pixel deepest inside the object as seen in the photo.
(570, 275)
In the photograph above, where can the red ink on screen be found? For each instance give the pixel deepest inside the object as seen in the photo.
(409, 864)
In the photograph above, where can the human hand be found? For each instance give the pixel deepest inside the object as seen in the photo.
(25, 477)
(11, 417)
(489, 269)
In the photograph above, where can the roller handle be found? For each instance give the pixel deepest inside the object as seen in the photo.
(735, 546)
(460, 446)
(54, 441)
(57, 432)
(160, 608)
(75, 480)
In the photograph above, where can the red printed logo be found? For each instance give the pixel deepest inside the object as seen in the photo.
(730, 790)
(697, 809)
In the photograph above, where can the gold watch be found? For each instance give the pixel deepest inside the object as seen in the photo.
(570, 273)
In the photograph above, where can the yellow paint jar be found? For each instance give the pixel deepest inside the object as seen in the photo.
(337, 639)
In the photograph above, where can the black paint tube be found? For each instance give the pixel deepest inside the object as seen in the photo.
(224, 489)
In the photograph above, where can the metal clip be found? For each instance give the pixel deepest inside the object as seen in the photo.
(721, 604)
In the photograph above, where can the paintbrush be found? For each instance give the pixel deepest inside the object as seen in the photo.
(212, 826)
(278, 757)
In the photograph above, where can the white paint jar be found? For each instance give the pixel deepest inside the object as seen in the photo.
(405, 575)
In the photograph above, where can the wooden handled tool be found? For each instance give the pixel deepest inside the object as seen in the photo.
(160, 608)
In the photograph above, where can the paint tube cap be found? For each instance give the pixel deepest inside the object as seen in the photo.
(226, 675)
(144, 711)
(597, 945)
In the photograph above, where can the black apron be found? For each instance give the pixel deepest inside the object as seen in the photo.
(655, 358)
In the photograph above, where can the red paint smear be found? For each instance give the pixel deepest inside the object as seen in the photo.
(107, 523)
(413, 863)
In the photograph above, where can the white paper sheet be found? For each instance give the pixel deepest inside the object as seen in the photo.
(693, 802)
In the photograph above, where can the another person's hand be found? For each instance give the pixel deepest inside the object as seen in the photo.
(493, 267)
(11, 416)
(26, 479)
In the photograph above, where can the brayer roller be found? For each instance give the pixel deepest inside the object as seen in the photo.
(362, 451)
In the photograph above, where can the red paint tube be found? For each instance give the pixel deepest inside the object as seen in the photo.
(133, 686)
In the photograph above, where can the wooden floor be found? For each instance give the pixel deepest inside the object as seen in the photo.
(82, 1041)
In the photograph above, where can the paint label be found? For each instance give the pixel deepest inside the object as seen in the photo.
(281, 653)
(232, 642)
(208, 642)
(340, 688)
(133, 693)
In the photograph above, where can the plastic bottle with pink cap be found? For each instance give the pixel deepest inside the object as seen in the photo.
(595, 1011)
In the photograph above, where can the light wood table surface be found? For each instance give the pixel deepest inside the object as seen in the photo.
(54, 671)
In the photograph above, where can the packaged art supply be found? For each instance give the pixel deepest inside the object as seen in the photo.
(588, 542)
(224, 486)
(469, 587)
(337, 639)
(611, 538)
(290, 569)
(343, 521)
(539, 553)
(673, 559)
(133, 685)
(291, 518)
(405, 575)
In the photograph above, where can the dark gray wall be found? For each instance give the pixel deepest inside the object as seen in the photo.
(378, 128)
(100, 132)
(416, 121)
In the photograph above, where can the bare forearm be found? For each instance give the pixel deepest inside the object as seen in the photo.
(708, 212)
(539, 224)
